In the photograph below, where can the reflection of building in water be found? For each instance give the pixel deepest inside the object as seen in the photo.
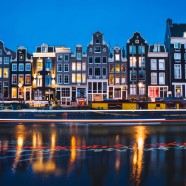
(118, 155)
(42, 165)
(138, 153)
(20, 136)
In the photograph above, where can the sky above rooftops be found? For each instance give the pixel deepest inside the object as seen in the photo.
(70, 22)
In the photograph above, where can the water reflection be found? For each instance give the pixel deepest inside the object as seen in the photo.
(42, 163)
(138, 153)
(20, 136)
(94, 155)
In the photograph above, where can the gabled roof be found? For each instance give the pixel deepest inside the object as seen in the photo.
(177, 30)
(12, 52)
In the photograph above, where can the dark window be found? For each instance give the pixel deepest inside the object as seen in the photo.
(97, 59)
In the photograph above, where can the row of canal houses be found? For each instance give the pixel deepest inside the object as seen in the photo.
(141, 72)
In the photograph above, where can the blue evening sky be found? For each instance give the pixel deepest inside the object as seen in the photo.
(30, 23)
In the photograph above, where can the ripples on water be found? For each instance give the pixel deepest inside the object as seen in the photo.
(92, 155)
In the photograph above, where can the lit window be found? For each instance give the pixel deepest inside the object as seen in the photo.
(133, 89)
(111, 68)
(21, 57)
(117, 79)
(117, 67)
(83, 78)
(6, 73)
(78, 66)
(28, 79)
(132, 61)
(141, 61)
(21, 79)
(14, 92)
(73, 78)
(184, 34)
(123, 79)
(74, 66)
(39, 65)
(117, 57)
(111, 79)
(83, 66)
(78, 78)
(0, 73)
(122, 67)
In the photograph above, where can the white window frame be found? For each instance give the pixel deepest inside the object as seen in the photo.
(6, 60)
(14, 67)
(153, 64)
(21, 67)
(161, 64)
(27, 67)
(177, 71)
(177, 56)
(153, 78)
(161, 78)
(14, 75)
(59, 79)
(27, 75)
(177, 45)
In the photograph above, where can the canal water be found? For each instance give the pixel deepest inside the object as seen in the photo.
(75, 154)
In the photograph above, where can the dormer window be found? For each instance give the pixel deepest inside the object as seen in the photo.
(177, 45)
(184, 34)
(44, 49)
(117, 57)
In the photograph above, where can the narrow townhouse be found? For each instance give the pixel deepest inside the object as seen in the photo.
(97, 68)
(21, 75)
(44, 73)
(5, 59)
(79, 76)
(63, 75)
(137, 49)
(158, 72)
(175, 42)
(117, 72)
